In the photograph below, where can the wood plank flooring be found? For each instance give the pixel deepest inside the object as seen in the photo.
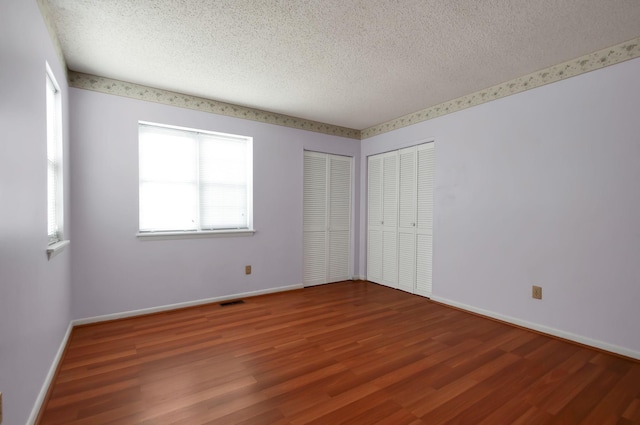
(344, 353)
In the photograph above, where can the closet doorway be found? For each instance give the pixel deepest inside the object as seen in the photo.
(327, 218)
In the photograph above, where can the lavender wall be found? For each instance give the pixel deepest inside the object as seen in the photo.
(540, 188)
(113, 271)
(34, 292)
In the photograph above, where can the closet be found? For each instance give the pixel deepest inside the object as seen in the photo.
(400, 218)
(327, 218)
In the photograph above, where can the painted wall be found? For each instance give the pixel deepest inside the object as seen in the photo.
(34, 292)
(540, 188)
(113, 271)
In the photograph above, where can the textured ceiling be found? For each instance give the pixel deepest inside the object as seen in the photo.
(351, 63)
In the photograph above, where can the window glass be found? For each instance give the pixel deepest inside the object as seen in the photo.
(191, 180)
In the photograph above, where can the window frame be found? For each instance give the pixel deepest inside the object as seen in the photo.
(55, 164)
(199, 232)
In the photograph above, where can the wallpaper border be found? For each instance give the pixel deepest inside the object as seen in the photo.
(150, 94)
(591, 62)
(597, 60)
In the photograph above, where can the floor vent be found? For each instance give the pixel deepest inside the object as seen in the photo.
(226, 303)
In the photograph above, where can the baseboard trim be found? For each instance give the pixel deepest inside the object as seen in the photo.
(622, 351)
(53, 370)
(143, 311)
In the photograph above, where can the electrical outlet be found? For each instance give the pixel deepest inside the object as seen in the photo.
(247, 269)
(536, 292)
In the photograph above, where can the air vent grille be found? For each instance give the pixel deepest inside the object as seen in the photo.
(234, 302)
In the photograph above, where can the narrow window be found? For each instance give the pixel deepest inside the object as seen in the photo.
(193, 180)
(54, 160)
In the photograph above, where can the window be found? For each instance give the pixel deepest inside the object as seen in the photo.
(55, 201)
(194, 181)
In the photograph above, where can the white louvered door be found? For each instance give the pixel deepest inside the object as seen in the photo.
(374, 223)
(382, 226)
(400, 212)
(424, 228)
(407, 222)
(327, 218)
(390, 219)
(339, 217)
(315, 218)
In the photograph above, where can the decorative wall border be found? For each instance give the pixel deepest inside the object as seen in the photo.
(150, 94)
(597, 60)
(609, 56)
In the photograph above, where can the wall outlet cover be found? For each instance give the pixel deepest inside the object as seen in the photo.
(536, 292)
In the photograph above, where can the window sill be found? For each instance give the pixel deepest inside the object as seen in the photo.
(192, 235)
(56, 248)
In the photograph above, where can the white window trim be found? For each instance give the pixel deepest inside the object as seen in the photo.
(60, 244)
(56, 248)
(194, 234)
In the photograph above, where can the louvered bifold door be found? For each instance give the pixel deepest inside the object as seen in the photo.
(424, 228)
(315, 219)
(407, 220)
(374, 223)
(390, 219)
(339, 218)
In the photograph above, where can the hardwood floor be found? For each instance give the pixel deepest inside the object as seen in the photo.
(351, 352)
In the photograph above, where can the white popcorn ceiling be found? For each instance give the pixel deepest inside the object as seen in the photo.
(351, 63)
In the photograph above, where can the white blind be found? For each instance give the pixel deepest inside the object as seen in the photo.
(53, 160)
(192, 181)
(223, 183)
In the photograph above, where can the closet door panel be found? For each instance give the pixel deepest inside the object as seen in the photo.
(339, 256)
(339, 218)
(407, 261)
(315, 192)
(426, 163)
(424, 243)
(315, 258)
(390, 190)
(374, 256)
(327, 218)
(407, 220)
(407, 191)
(374, 214)
(390, 258)
(400, 218)
(315, 219)
(390, 219)
(424, 267)
(374, 191)
(339, 193)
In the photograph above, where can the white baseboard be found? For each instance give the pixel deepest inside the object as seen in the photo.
(543, 329)
(359, 278)
(47, 381)
(168, 307)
